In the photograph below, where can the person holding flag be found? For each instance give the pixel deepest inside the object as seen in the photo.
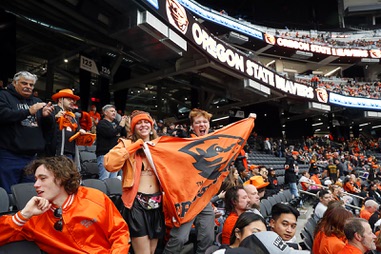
(190, 172)
(141, 189)
(203, 221)
(66, 125)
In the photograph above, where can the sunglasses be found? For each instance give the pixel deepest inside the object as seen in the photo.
(59, 224)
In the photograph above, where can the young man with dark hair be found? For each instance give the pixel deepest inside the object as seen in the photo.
(284, 221)
(324, 197)
(237, 202)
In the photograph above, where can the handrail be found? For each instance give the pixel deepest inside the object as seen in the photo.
(311, 194)
(346, 193)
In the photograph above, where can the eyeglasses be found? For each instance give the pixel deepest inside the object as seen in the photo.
(59, 224)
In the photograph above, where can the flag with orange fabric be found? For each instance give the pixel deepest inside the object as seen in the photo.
(84, 139)
(191, 170)
(67, 121)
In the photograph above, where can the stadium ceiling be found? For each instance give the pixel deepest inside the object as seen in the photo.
(156, 74)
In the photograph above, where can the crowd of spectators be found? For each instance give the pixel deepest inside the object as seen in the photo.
(326, 39)
(346, 87)
(349, 169)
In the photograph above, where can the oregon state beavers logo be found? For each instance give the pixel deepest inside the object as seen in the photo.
(270, 39)
(177, 15)
(375, 53)
(213, 153)
(322, 95)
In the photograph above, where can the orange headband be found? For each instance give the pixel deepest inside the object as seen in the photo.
(138, 118)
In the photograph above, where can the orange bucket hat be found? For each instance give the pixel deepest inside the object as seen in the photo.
(65, 93)
(257, 181)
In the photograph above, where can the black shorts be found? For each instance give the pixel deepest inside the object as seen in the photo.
(142, 222)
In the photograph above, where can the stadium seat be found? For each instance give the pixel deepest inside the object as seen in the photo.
(309, 227)
(4, 201)
(272, 201)
(288, 195)
(277, 198)
(282, 197)
(96, 184)
(211, 249)
(306, 239)
(267, 204)
(22, 193)
(86, 156)
(114, 191)
(263, 211)
(89, 166)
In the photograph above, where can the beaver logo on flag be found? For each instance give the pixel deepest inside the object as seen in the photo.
(212, 154)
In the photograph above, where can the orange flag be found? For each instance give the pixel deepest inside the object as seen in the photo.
(191, 170)
(86, 139)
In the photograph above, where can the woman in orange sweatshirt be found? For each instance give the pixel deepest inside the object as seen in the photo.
(329, 234)
(142, 196)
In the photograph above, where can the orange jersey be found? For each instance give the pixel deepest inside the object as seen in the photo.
(85, 121)
(365, 214)
(228, 227)
(350, 249)
(95, 116)
(91, 224)
(327, 244)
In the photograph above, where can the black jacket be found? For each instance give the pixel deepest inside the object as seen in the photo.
(20, 132)
(290, 174)
(107, 136)
(53, 136)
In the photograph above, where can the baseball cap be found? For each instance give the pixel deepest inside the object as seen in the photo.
(268, 242)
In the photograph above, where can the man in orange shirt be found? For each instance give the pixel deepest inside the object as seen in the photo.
(360, 237)
(237, 202)
(65, 217)
(95, 116)
(370, 207)
(85, 120)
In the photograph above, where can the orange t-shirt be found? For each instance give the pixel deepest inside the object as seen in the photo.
(350, 249)
(228, 227)
(327, 244)
(316, 179)
(349, 187)
(95, 116)
(365, 214)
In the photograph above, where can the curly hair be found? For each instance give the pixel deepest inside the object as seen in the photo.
(63, 169)
(198, 112)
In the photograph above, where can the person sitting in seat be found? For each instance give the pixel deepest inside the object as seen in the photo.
(284, 221)
(324, 198)
(237, 202)
(65, 217)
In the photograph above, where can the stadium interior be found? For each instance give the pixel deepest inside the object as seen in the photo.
(140, 68)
